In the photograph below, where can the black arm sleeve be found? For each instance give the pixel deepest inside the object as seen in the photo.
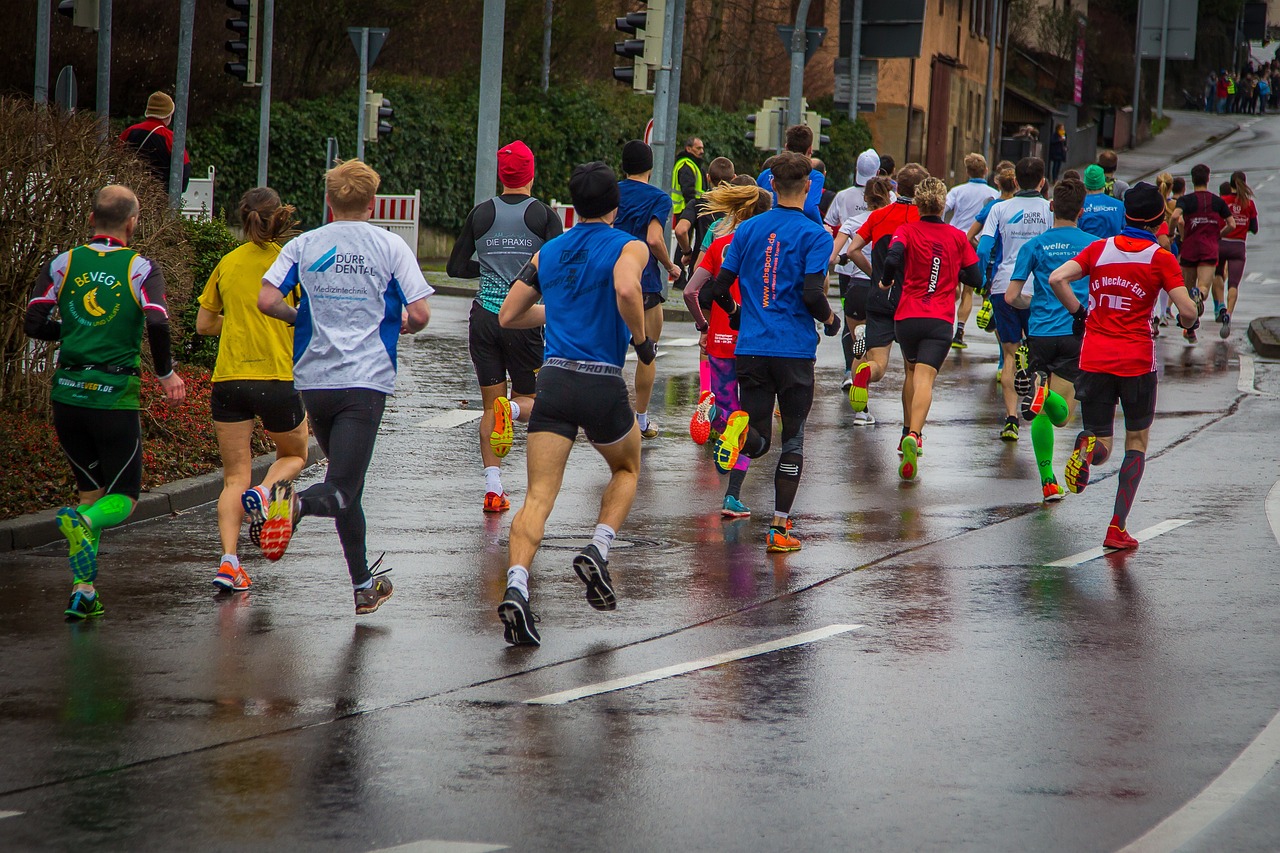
(1253, 225)
(161, 344)
(186, 176)
(461, 264)
(38, 322)
(815, 296)
(893, 263)
(971, 276)
(718, 292)
(540, 219)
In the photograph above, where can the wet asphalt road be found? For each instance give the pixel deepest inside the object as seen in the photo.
(985, 700)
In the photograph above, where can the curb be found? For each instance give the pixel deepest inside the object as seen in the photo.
(38, 528)
(1264, 334)
(1208, 143)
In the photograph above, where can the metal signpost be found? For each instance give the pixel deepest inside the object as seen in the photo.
(186, 23)
(43, 9)
(490, 112)
(368, 42)
(1166, 30)
(264, 109)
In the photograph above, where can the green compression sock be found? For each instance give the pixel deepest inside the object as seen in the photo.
(108, 511)
(1042, 443)
(1056, 408)
(94, 533)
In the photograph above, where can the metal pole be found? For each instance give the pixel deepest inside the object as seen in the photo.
(264, 109)
(42, 51)
(546, 45)
(1137, 77)
(1004, 74)
(855, 60)
(487, 124)
(799, 38)
(673, 99)
(989, 110)
(104, 67)
(186, 23)
(364, 86)
(661, 93)
(1164, 53)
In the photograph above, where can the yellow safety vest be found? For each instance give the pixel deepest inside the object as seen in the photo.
(677, 198)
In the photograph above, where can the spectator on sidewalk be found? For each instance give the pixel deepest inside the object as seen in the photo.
(152, 140)
(1109, 160)
(1223, 92)
(1057, 152)
(688, 180)
(1210, 91)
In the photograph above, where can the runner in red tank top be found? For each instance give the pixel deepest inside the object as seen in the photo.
(1231, 253)
(1201, 218)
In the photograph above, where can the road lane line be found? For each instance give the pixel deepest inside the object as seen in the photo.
(1141, 536)
(428, 845)
(566, 696)
(4, 815)
(1250, 767)
(1246, 383)
(451, 418)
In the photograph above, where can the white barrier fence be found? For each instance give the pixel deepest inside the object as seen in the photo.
(395, 213)
(197, 201)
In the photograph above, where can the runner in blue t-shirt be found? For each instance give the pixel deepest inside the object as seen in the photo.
(1102, 215)
(588, 280)
(1048, 388)
(643, 211)
(799, 139)
(779, 259)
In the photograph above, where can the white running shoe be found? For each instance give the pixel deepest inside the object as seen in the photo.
(863, 418)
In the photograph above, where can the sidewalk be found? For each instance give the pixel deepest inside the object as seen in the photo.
(1188, 132)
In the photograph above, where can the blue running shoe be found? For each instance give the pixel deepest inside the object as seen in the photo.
(254, 502)
(84, 606)
(734, 508)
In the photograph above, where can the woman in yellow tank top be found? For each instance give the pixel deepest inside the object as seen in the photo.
(253, 377)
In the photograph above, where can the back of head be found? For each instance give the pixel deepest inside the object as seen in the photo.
(975, 165)
(1071, 175)
(1200, 175)
(1179, 186)
(1029, 173)
(637, 158)
(1095, 180)
(1004, 164)
(350, 187)
(1239, 187)
(878, 193)
(1108, 160)
(113, 205)
(1144, 206)
(1068, 199)
(264, 218)
(909, 177)
(593, 188)
(743, 181)
(799, 139)
(1224, 188)
(887, 165)
(790, 171)
(720, 170)
(818, 166)
(1164, 183)
(931, 196)
(1007, 181)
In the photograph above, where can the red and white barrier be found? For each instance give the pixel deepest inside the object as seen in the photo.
(395, 213)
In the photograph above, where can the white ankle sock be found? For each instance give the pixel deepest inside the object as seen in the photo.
(642, 418)
(515, 410)
(493, 479)
(603, 538)
(232, 559)
(518, 578)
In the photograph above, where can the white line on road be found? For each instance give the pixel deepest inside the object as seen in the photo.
(1241, 776)
(1141, 536)
(451, 418)
(690, 666)
(1255, 277)
(1246, 384)
(4, 815)
(430, 846)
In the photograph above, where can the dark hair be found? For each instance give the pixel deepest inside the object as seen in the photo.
(790, 171)
(799, 139)
(1108, 160)
(719, 171)
(878, 191)
(887, 165)
(1239, 187)
(112, 207)
(1224, 188)
(743, 181)
(1179, 186)
(909, 177)
(264, 218)
(764, 202)
(1071, 175)
(1068, 198)
(1029, 172)
(1200, 175)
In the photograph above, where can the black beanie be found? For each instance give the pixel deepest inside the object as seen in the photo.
(1143, 204)
(594, 189)
(637, 157)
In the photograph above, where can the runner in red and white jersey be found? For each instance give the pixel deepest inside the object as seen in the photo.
(1117, 356)
(1201, 218)
(1231, 254)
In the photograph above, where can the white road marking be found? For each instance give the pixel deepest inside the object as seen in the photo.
(1241, 776)
(690, 666)
(1269, 178)
(451, 418)
(431, 846)
(1254, 277)
(679, 342)
(1246, 384)
(1141, 536)
(4, 815)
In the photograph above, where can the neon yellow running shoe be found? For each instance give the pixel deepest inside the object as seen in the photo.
(500, 438)
(82, 545)
(730, 442)
(858, 391)
(908, 467)
(986, 315)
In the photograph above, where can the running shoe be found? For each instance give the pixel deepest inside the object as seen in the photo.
(1077, 472)
(1024, 382)
(1010, 430)
(863, 418)
(1022, 357)
(518, 621)
(1033, 403)
(1198, 299)
(999, 375)
(858, 393)
(1225, 331)
(1119, 538)
(986, 315)
(500, 438)
(231, 578)
(1053, 492)
(373, 597)
(859, 348)
(919, 442)
(254, 502)
(848, 380)
(700, 423)
(780, 541)
(494, 502)
(1155, 327)
(651, 431)
(594, 572)
(82, 545)
(84, 606)
(282, 512)
(734, 508)
(1218, 312)
(730, 442)
(958, 341)
(910, 457)
(1189, 335)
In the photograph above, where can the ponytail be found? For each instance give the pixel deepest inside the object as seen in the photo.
(264, 218)
(1240, 188)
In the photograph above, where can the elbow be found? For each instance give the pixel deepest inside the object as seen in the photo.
(265, 301)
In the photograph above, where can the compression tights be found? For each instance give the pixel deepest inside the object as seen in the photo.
(1053, 414)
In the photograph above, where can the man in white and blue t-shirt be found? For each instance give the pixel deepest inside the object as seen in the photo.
(964, 203)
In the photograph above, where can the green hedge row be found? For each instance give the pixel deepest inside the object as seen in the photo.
(433, 145)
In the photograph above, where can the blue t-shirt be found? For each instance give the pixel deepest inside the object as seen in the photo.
(575, 277)
(638, 205)
(1040, 257)
(771, 254)
(1102, 216)
(812, 202)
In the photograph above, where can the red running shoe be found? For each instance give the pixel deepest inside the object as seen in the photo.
(282, 514)
(1119, 538)
(700, 423)
(494, 502)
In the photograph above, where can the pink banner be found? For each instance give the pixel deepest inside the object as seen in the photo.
(1079, 72)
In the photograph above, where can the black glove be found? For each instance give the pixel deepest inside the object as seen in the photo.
(646, 351)
(833, 328)
(1077, 321)
(843, 259)
(735, 319)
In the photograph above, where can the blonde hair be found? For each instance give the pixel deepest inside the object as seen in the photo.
(265, 219)
(931, 196)
(1007, 182)
(737, 204)
(975, 165)
(350, 186)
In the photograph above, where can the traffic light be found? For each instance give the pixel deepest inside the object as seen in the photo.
(766, 125)
(818, 124)
(244, 46)
(377, 116)
(83, 13)
(637, 74)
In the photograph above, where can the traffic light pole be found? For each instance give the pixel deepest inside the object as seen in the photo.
(186, 23)
(855, 60)
(264, 116)
(799, 38)
(490, 112)
(104, 67)
(673, 95)
(661, 105)
(364, 86)
(43, 10)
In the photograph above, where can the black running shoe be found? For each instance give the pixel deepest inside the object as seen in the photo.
(518, 620)
(594, 571)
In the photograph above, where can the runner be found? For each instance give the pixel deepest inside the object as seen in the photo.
(589, 282)
(1231, 252)
(361, 287)
(736, 205)
(642, 212)
(252, 378)
(964, 203)
(930, 259)
(1117, 358)
(850, 205)
(1102, 215)
(798, 139)
(105, 294)
(857, 290)
(784, 257)
(1007, 184)
(1200, 218)
(1048, 387)
(876, 232)
(692, 228)
(502, 233)
(1010, 225)
(1109, 161)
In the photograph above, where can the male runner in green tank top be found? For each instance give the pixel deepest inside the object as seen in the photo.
(106, 294)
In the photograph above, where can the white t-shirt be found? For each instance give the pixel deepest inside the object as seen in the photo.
(850, 229)
(848, 202)
(965, 202)
(356, 280)
(1012, 223)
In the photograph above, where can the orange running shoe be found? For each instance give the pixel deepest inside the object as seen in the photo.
(781, 541)
(231, 578)
(500, 438)
(700, 423)
(494, 502)
(282, 514)
(1053, 492)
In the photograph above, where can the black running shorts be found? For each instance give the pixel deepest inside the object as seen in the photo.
(596, 403)
(104, 447)
(498, 353)
(1058, 355)
(765, 380)
(924, 340)
(854, 292)
(1098, 394)
(275, 401)
(880, 331)
(652, 300)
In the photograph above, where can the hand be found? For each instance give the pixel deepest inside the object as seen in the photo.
(404, 323)
(1077, 321)
(831, 328)
(702, 343)
(646, 351)
(735, 319)
(674, 272)
(175, 390)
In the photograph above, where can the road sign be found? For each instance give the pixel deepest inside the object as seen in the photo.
(812, 39)
(892, 29)
(377, 37)
(648, 132)
(1254, 21)
(65, 92)
(1181, 41)
(868, 83)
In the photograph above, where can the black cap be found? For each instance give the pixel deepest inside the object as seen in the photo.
(594, 189)
(1143, 204)
(637, 157)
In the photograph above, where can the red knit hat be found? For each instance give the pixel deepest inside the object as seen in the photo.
(515, 164)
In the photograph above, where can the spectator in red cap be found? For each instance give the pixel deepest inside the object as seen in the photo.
(499, 237)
